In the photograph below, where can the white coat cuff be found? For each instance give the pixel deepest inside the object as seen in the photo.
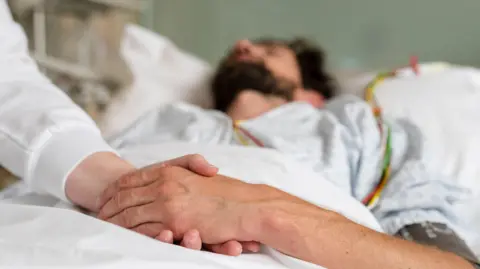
(61, 153)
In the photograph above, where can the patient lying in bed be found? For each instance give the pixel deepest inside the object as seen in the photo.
(272, 94)
(271, 126)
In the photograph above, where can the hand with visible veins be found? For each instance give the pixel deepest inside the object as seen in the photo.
(142, 187)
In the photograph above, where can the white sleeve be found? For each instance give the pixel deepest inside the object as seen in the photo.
(43, 134)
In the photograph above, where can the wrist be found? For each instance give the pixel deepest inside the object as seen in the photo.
(254, 211)
(92, 176)
(268, 219)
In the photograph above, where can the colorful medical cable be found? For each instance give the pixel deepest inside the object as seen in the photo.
(372, 199)
(244, 136)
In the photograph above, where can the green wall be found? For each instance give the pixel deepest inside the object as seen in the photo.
(355, 33)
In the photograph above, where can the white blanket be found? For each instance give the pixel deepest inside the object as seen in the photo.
(49, 237)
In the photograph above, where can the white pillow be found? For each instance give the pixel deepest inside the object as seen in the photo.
(162, 74)
(445, 104)
(354, 81)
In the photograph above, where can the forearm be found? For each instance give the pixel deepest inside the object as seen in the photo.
(91, 177)
(329, 239)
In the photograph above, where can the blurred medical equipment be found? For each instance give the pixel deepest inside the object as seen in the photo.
(76, 43)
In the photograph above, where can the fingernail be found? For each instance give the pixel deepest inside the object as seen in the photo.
(237, 251)
(254, 249)
(165, 236)
(192, 235)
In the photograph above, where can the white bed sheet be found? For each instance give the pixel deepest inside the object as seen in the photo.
(50, 236)
(474, 241)
(44, 237)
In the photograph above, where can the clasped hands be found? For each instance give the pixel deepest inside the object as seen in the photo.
(184, 201)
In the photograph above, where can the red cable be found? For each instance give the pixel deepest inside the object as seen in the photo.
(414, 65)
(253, 138)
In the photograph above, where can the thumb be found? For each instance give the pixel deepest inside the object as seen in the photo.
(195, 163)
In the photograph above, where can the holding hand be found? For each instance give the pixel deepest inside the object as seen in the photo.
(155, 201)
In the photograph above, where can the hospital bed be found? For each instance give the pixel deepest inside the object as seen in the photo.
(40, 232)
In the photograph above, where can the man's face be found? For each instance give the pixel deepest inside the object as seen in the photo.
(255, 78)
(277, 58)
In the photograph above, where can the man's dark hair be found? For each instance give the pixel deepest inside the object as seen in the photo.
(230, 80)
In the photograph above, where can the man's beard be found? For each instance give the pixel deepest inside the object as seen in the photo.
(232, 78)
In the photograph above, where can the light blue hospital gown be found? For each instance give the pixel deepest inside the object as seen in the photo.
(341, 142)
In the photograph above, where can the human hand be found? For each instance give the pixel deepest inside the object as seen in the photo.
(181, 201)
(128, 184)
(192, 240)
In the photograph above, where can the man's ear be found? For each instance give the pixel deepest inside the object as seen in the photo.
(310, 96)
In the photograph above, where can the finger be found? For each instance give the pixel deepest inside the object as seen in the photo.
(192, 240)
(149, 229)
(135, 179)
(134, 216)
(195, 163)
(251, 246)
(230, 248)
(126, 199)
(166, 236)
